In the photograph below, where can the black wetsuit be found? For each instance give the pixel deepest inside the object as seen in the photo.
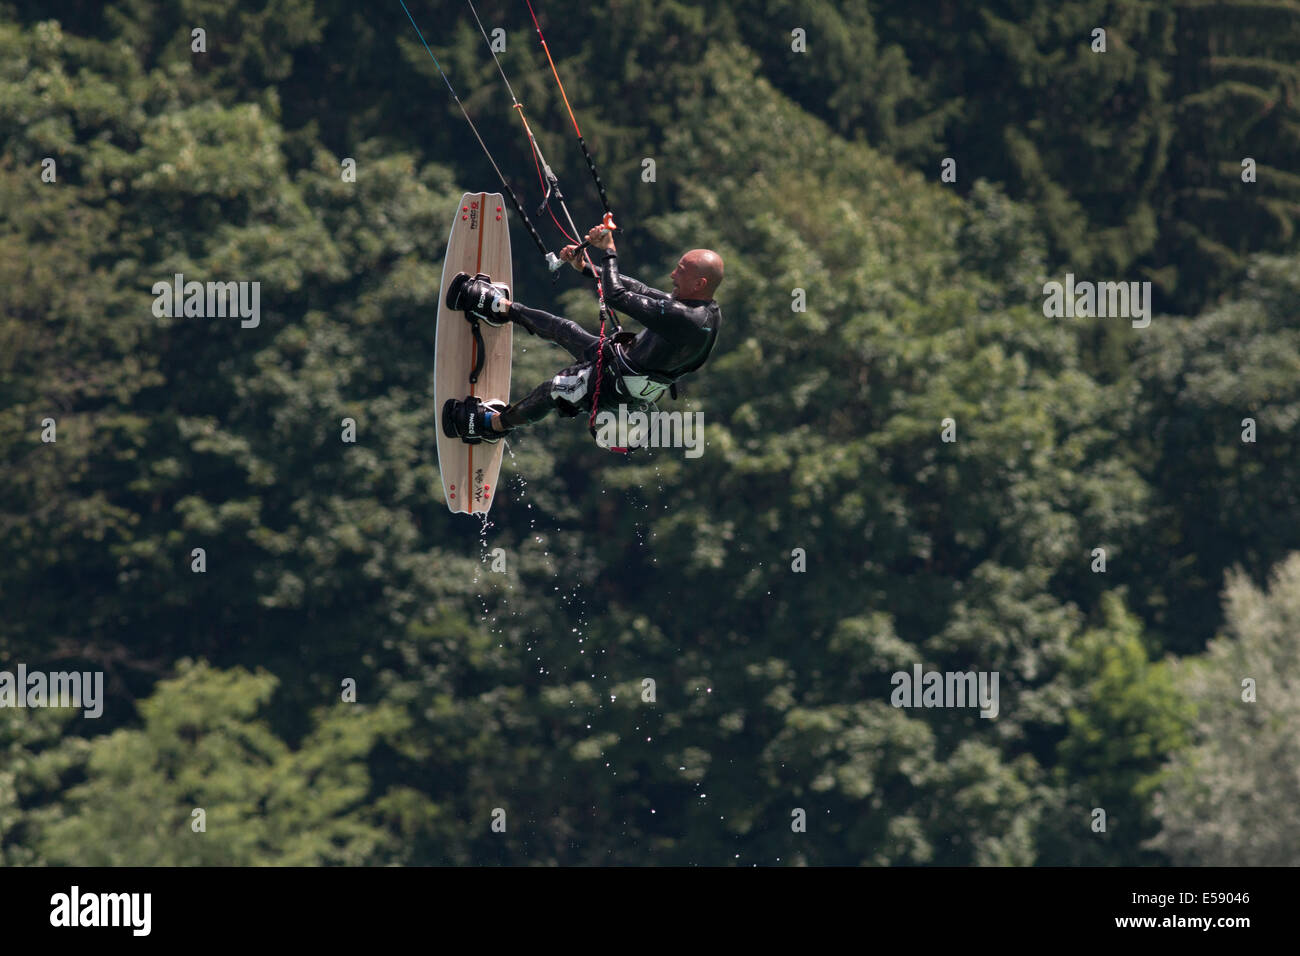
(679, 335)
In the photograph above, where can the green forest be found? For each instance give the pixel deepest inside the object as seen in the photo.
(654, 659)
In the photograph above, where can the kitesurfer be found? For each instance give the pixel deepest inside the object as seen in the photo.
(681, 329)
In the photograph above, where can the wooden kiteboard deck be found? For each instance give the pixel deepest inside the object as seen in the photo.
(479, 242)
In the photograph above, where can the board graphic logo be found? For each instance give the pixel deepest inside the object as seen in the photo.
(478, 485)
(473, 216)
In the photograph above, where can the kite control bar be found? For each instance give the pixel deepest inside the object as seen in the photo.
(554, 262)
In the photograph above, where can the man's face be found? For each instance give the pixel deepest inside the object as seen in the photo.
(683, 279)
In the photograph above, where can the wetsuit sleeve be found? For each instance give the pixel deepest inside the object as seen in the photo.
(657, 311)
(631, 285)
(638, 288)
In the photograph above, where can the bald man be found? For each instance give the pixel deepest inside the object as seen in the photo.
(680, 332)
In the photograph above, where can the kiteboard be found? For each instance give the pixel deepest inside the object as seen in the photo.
(479, 243)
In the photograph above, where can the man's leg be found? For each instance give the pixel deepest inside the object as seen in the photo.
(569, 392)
(533, 407)
(478, 298)
(569, 386)
(565, 392)
(565, 333)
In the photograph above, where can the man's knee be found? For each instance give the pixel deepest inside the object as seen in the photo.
(525, 317)
(569, 387)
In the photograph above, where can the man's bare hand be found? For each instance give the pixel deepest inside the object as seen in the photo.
(601, 238)
(570, 255)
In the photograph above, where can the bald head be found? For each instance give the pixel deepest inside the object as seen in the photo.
(698, 275)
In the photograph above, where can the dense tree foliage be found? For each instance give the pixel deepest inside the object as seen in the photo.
(827, 539)
(1232, 798)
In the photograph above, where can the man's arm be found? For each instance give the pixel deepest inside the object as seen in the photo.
(658, 312)
(630, 284)
(570, 255)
